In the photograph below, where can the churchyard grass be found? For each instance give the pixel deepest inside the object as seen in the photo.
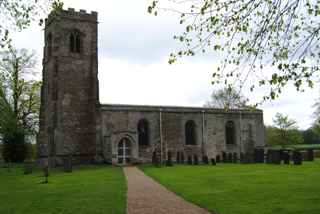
(245, 188)
(88, 189)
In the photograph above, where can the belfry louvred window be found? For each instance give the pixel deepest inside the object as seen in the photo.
(75, 42)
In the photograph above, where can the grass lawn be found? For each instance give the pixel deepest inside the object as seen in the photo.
(245, 189)
(88, 189)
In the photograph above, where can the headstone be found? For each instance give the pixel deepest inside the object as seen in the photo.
(178, 157)
(67, 164)
(224, 157)
(241, 157)
(28, 165)
(286, 157)
(274, 156)
(46, 174)
(169, 160)
(234, 158)
(182, 158)
(154, 157)
(259, 155)
(205, 159)
(213, 161)
(190, 160)
(310, 155)
(195, 160)
(229, 157)
(297, 158)
(218, 160)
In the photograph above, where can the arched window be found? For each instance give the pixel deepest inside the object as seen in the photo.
(190, 133)
(143, 132)
(75, 42)
(49, 44)
(230, 133)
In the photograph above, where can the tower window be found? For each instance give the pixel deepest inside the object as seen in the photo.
(190, 133)
(230, 133)
(75, 42)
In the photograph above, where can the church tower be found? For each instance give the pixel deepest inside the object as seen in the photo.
(70, 92)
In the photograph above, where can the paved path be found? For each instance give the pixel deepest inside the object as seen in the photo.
(145, 196)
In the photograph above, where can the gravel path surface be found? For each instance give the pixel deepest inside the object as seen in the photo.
(145, 196)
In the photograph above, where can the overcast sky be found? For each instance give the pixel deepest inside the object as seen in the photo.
(133, 53)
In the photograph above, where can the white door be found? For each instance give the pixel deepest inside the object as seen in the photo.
(124, 151)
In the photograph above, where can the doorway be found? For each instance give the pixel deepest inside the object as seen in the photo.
(124, 151)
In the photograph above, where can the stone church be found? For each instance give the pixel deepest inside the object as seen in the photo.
(73, 123)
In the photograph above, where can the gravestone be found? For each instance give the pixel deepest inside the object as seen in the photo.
(205, 159)
(310, 155)
(224, 157)
(154, 157)
(259, 155)
(46, 174)
(286, 157)
(67, 164)
(229, 157)
(190, 160)
(218, 160)
(241, 157)
(195, 160)
(178, 158)
(213, 161)
(169, 160)
(274, 156)
(182, 158)
(297, 158)
(234, 158)
(28, 165)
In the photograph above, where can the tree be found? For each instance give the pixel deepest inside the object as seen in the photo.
(19, 102)
(310, 137)
(227, 98)
(271, 43)
(284, 132)
(18, 14)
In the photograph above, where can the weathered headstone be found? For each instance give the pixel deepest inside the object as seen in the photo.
(259, 155)
(28, 165)
(195, 160)
(213, 161)
(310, 155)
(178, 158)
(67, 164)
(241, 157)
(205, 159)
(182, 158)
(297, 158)
(46, 174)
(224, 157)
(190, 160)
(234, 158)
(286, 157)
(169, 159)
(229, 158)
(218, 160)
(274, 156)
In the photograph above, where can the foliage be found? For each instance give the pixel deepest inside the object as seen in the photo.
(18, 15)
(245, 189)
(284, 132)
(20, 101)
(271, 43)
(88, 189)
(310, 137)
(227, 98)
